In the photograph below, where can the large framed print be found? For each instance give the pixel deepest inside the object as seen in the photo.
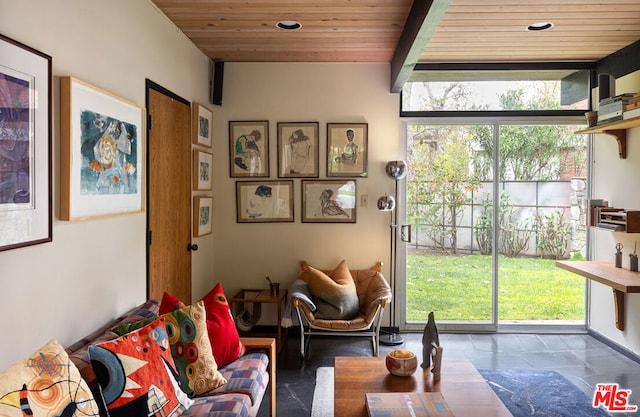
(264, 201)
(25, 146)
(102, 150)
(329, 201)
(298, 150)
(202, 125)
(347, 149)
(249, 149)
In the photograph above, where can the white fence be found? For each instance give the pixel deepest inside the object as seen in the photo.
(526, 198)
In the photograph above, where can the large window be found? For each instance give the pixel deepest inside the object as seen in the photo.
(496, 192)
(497, 91)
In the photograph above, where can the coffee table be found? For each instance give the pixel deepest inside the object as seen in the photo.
(462, 386)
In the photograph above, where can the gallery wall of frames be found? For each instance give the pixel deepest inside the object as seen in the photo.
(327, 200)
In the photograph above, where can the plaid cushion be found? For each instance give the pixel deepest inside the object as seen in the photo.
(224, 405)
(147, 310)
(246, 375)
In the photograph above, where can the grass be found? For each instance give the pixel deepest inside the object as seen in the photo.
(458, 288)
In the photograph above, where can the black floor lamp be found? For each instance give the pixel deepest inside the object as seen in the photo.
(396, 170)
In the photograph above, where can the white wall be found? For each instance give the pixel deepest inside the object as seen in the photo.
(326, 93)
(615, 180)
(94, 269)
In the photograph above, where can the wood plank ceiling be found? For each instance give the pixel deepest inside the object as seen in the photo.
(369, 30)
(406, 32)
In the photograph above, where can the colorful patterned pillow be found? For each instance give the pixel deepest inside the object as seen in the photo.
(334, 294)
(45, 384)
(191, 349)
(138, 375)
(225, 341)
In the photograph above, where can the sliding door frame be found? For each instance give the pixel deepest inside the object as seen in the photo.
(492, 326)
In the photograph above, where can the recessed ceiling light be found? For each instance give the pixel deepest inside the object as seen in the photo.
(536, 27)
(288, 25)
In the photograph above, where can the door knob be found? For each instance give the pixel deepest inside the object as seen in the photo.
(191, 247)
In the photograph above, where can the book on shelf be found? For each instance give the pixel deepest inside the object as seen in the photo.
(610, 108)
(611, 226)
(618, 98)
(610, 118)
(633, 102)
(630, 114)
(605, 116)
(401, 404)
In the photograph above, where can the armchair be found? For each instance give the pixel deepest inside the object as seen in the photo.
(373, 295)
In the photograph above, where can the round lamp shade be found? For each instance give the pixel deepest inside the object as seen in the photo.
(386, 203)
(396, 169)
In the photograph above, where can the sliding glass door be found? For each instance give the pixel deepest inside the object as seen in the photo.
(492, 206)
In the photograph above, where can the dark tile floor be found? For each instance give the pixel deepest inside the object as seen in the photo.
(581, 358)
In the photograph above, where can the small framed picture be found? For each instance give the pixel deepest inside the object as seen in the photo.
(329, 201)
(202, 125)
(202, 215)
(298, 150)
(249, 149)
(264, 201)
(202, 170)
(347, 149)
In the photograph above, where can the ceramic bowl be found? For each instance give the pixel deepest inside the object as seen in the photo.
(401, 362)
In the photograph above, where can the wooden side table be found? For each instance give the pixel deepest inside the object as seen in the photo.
(262, 296)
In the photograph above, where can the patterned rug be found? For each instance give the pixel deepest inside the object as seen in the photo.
(532, 392)
(526, 393)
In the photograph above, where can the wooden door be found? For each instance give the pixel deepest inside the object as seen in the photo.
(169, 195)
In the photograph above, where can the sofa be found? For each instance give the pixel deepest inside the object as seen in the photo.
(243, 386)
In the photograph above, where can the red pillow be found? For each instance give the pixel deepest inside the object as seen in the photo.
(169, 304)
(223, 335)
(225, 341)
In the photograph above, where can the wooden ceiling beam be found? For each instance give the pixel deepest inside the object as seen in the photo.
(422, 21)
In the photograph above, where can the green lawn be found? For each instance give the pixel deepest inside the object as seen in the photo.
(459, 288)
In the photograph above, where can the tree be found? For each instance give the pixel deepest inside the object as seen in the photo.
(441, 181)
(529, 152)
(447, 163)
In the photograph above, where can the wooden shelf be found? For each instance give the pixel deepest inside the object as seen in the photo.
(617, 129)
(615, 219)
(622, 281)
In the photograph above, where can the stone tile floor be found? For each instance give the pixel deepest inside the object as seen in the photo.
(581, 358)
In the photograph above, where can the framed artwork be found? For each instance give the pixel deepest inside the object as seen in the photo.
(202, 215)
(264, 201)
(202, 170)
(25, 146)
(298, 150)
(202, 125)
(249, 149)
(102, 140)
(329, 201)
(347, 149)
